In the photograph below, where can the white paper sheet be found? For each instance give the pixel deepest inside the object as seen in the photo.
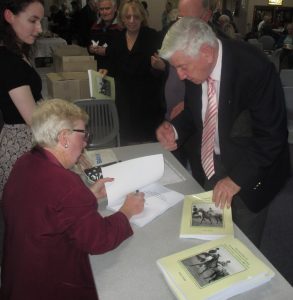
(140, 174)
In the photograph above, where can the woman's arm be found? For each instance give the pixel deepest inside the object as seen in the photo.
(24, 101)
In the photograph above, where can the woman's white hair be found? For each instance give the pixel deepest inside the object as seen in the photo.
(188, 34)
(51, 117)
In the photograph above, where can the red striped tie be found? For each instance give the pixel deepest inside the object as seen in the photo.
(209, 129)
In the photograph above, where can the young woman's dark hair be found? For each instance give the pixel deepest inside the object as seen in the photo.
(8, 37)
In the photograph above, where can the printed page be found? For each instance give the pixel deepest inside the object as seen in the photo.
(157, 200)
(132, 175)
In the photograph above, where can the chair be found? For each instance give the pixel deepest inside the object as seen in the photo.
(286, 76)
(103, 122)
(267, 42)
(288, 92)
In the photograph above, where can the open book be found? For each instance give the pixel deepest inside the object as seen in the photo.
(140, 174)
(218, 270)
(91, 162)
(101, 87)
(201, 219)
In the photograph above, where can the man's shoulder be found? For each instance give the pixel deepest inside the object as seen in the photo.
(243, 53)
(115, 27)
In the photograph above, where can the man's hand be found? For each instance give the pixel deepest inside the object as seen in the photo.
(166, 136)
(99, 50)
(103, 72)
(224, 191)
(157, 62)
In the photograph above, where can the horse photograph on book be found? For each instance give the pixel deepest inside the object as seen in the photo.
(205, 215)
(212, 265)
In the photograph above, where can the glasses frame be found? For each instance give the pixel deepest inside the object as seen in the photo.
(86, 133)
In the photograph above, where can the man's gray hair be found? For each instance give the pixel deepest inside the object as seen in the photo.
(114, 2)
(188, 35)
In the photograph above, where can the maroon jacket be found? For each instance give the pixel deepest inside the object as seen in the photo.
(51, 225)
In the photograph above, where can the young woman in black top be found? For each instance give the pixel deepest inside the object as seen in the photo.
(20, 84)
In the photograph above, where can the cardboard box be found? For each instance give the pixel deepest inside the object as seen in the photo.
(73, 58)
(68, 85)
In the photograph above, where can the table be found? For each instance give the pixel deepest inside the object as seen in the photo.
(130, 271)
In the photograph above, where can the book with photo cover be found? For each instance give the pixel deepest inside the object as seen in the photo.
(217, 269)
(91, 163)
(201, 219)
(101, 87)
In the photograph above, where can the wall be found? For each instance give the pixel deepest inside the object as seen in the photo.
(156, 8)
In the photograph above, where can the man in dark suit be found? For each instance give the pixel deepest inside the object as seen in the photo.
(175, 89)
(250, 160)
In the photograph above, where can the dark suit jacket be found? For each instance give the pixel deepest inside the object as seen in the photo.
(252, 123)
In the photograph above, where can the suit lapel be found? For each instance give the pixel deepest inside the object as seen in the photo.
(225, 97)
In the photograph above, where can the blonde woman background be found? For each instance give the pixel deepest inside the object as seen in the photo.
(138, 86)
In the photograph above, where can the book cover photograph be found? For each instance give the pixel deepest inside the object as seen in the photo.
(201, 219)
(218, 269)
(91, 162)
(101, 87)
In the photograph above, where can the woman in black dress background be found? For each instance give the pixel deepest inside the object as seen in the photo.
(138, 86)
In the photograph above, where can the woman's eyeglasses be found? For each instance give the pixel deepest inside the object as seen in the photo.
(86, 133)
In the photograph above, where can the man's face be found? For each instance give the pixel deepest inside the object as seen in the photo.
(196, 69)
(193, 8)
(107, 10)
(190, 8)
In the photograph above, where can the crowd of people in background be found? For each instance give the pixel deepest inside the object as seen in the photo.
(75, 23)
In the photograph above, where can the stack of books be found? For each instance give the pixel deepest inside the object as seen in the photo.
(217, 269)
(201, 219)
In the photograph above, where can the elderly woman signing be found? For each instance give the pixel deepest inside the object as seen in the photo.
(51, 217)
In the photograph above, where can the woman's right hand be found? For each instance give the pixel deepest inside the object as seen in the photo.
(133, 204)
(103, 72)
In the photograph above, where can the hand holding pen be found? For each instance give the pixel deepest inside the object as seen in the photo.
(134, 204)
